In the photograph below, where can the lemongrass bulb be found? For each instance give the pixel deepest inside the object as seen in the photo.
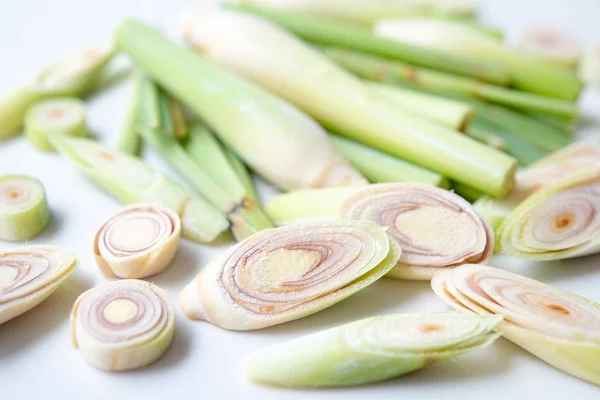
(282, 274)
(370, 350)
(138, 241)
(28, 275)
(559, 327)
(122, 325)
(590, 67)
(62, 115)
(23, 209)
(552, 45)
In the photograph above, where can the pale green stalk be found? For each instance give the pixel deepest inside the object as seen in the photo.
(466, 192)
(242, 173)
(488, 137)
(129, 140)
(23, 208)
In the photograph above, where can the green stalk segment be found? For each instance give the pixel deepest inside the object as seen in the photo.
(129, 140)
(563, 124)
(487, 137)
(23, 209)
(242, 173)
(466, 192)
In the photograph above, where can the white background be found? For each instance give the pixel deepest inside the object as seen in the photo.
(37, 360)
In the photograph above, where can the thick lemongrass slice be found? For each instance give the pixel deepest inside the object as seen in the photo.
(559, 327)
(370, 350)
(122, 325)
(23, 209)
(71, 76)
(282, 274)
(552, 45)
(435, 228)
(28, 275)
(138, 241)
(346, 105)
(590, 67)
(62, 115)
(131, 181)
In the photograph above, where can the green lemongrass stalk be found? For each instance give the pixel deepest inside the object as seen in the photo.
(467, 192)
(557, 326)
(526, 72)
(172, 111)
(242, 172)
(23, 208)
(288, 67)
(380, 167)
(489, 138)
(370, 350)
(551, 45)
(273, 137)
(131, 180)
(129, 140)
(563, 124)
(71, 76)
(383, 70)
(589, 69)
(325, 31)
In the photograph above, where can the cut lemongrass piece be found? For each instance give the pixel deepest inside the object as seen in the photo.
(129, 140)
(130, 180)
(47, 117)
(489, 138)
(370, 350)
(552, 45)
(559, 327)
(138, 241)
(590, 67)
(172, 111)
(379, 167)
(30, 274)
(282, 274)
(122, 325)
(466, 192)
(71, 76)
(436, 229)
(293, 70)
(23, 209)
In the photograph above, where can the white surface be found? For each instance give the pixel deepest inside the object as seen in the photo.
(37, 360)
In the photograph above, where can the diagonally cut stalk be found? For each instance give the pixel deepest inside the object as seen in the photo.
(23, 208)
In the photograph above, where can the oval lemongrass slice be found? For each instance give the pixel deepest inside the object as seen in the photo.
(590, 67)
(23, 209)
(30, 274)
(283, 274)
(64, 115)
(552, 45)
(371, 349)
(138, 241)
(559, 327)
(122, 325)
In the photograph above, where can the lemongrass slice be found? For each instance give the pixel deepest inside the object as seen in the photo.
(282, 274)
(64, 115)
(551, 44)
(23, 209)
(28, 275)
(138, 241)
(559, 327)
(122, 325)
(370, 350)
(589, 69)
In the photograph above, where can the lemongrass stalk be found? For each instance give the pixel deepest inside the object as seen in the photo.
(23, 209)
(329, 32)
(122, 325)
(589, 69)
(71, 76)
(526, 72)
(557, 326)
(172, 111)
(489, 138)
(466, 192)
(370, 350)
(346, 105)
(552, 45)
(59, 115)
(278, 141)
(129, 140)
(451, 113)
(435, 228)
(28, 275)
(321, 263)
(131, 180)
(242, 173)
(389, 71)
(138, 241)
(563, 124)
(379, 167)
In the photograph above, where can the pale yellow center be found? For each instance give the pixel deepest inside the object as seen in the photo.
(275, 267)
(7, 275)
(120, 311)
(131, 234)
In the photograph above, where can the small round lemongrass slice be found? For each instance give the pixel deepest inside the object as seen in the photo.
(30, 274)
(63, 115)
(23, 208)
(559, 327)
(590, 67)
(552, 45)
(138, 241)
(122, 325)
(371, 349)
(282, 274)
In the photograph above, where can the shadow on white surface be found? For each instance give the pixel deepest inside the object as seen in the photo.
(186, 264)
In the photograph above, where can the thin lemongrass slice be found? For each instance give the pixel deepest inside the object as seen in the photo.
(138, 241)
(282, 274)
(370, 350)
(559, 327)
(71, 76)
(28, 275)
(131, 181)
(122, 325)
(23, 209)
(590, 67)
(552, 45)
(47, 117)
